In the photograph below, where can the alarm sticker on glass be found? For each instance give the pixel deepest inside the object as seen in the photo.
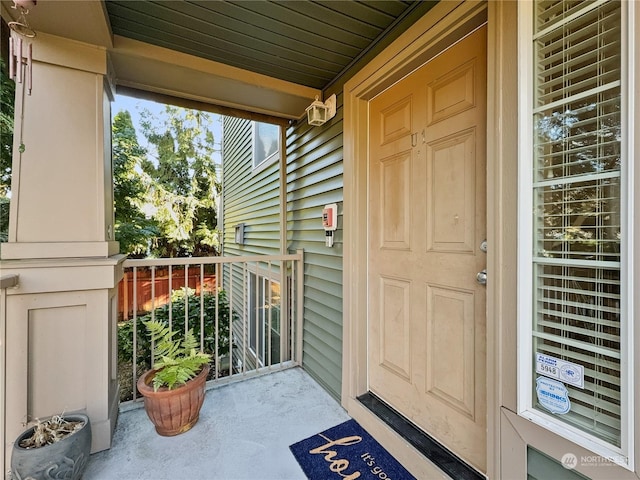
(553, 367)
(553, 395)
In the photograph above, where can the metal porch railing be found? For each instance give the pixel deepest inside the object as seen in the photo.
(245, 311)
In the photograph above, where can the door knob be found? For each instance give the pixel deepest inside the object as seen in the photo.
(481, 277)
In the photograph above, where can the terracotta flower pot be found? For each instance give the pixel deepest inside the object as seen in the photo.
(173, 411)
(65, 459)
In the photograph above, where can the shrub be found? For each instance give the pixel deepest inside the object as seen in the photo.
(161, 314)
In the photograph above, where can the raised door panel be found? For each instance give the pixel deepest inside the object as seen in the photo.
(395, 326)
(395, 121)
(395, 201)
(451, 192)
(450, 372)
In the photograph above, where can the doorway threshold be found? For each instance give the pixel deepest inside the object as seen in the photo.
(430, 448)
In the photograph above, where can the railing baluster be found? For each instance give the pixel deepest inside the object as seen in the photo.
(153, 308)
(284, 314)
(202, 307)
(230, 302)
(245, 317)
(153, 293)
(267, 309)
(186, 299)
(217, 326)
(134, 356)
(291, 314)
(170, 297)
(299, 306)
(240, 288)
(257, 317)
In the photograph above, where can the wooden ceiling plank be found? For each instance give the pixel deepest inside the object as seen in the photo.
(289, 31)
(227, 44)
(180, 44)
(281, 12)
(350, 18)
(393, 8)
(240, 27)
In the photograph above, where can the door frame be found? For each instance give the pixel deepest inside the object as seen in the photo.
(444, 24)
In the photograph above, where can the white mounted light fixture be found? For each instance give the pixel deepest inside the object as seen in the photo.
(318, 113)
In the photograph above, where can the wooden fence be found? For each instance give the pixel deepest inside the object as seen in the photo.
(154, 292)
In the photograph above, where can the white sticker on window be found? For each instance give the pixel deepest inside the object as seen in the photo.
(553, 395)
(553, 367)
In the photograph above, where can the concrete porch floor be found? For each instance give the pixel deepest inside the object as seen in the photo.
(244, 432)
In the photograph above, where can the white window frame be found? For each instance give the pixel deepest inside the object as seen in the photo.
(623, 455)
(270, 159)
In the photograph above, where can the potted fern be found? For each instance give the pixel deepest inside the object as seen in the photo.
(174, 389)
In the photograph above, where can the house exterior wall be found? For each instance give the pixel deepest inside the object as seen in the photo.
(314, 179)
(249, 197)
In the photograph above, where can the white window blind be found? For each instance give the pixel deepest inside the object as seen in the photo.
(577, 204)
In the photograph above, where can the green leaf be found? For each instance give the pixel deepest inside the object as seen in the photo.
(179, 361)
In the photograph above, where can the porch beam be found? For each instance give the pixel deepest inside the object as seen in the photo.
(155, 69)
(202, 106)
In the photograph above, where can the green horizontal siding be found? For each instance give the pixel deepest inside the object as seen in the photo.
(249, 197)
(542, 467)
(314, 179)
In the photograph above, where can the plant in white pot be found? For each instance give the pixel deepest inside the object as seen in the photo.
(54, 448)
(174, 389)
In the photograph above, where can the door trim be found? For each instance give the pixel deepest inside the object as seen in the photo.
(442, 26)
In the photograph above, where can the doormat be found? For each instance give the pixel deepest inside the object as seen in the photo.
(347, 451)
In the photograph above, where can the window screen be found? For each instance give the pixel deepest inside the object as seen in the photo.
(577, 204)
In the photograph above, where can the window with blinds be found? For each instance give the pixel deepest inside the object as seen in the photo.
(577, 205)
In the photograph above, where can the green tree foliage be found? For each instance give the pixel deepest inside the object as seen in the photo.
(184, 185)
(133, 230)
(580, 219)
(7, 98)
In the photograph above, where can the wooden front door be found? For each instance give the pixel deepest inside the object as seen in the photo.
(427, 220)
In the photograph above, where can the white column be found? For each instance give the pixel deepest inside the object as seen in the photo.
(62, 188)
(61, 318)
